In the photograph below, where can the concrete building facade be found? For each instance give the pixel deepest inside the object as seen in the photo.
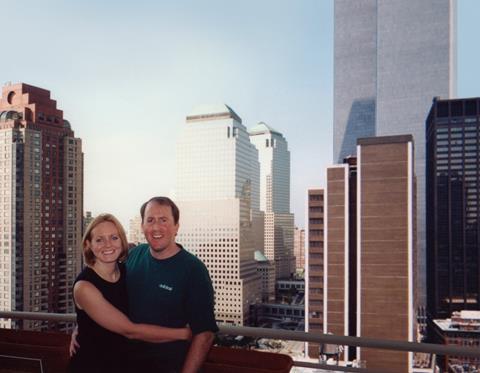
(41, 204)
(299, 249)
(340, 251)
(135, 232)
(461, 329)
(386, 251)
(218, 195)
(369, 255)
(266, 270)
(87, 219)
(314, 282)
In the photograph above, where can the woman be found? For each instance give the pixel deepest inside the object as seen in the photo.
(101, 303)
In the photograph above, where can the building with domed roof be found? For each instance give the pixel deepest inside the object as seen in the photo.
(274, 158)
(218, 196)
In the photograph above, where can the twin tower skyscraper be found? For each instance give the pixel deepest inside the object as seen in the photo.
(391, 58)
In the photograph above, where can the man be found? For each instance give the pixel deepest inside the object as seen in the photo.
(169, 286)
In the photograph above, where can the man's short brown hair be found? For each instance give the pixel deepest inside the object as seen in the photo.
(162, 201)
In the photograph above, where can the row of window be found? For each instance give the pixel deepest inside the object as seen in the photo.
(315, 197)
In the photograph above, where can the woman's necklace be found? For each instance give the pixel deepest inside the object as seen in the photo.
(110, 276)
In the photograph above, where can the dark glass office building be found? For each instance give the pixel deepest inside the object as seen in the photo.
(453, 197)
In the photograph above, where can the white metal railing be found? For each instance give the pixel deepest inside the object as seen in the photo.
(295, 336)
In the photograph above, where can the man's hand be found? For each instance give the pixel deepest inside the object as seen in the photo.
(198, 351)
(73, 342)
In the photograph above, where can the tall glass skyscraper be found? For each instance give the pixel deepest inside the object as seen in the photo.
(453, 201)
(274, 158)
(391, 58)
(218, 195)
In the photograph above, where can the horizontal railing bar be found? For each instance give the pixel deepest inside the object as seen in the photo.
(291, 335)
(351, 341)
(336, 368)
(42, 316)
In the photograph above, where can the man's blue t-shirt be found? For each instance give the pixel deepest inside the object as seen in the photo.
(172, 292)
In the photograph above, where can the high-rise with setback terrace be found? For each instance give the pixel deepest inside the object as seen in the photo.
(41, 203)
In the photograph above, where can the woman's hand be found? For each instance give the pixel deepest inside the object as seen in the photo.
(188, 333)
(73, 342)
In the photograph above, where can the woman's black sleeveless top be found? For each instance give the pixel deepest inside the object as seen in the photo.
(100, 349)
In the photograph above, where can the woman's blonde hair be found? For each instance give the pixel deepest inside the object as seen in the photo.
(87, 237)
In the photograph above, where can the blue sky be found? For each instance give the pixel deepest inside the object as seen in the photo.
(126, 74)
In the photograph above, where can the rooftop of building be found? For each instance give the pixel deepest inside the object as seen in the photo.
(26, 102)
(259, 257)
(262, 128)
(212, 111)
(291, 281)
(377, 140)
(468, 315)
(26, 88)
(463, 321)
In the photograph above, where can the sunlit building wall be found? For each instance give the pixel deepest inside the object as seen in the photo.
(314, 268)
(339, 269)
(218, 195)
(299, 248)
(274, 158)
(369, 255)
(266, 270)
(135, 233)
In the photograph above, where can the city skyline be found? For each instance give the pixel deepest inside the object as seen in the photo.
(127, 76)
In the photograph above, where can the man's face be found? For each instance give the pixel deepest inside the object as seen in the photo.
(160, 229)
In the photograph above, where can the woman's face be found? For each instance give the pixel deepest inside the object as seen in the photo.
(105, 242)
